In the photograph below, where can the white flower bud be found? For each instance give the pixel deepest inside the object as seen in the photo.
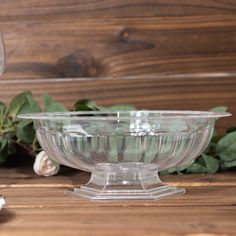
(44, 166)
(2, 202)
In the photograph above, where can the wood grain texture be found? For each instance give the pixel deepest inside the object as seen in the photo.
(38, 206)
(128, 47)
(187, 48)
(123, 38)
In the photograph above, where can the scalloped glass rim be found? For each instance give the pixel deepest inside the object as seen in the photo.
(124, 115)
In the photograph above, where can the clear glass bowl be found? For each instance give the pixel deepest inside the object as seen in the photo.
(124, 150)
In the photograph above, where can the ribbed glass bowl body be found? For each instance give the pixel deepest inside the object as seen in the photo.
(155, 140)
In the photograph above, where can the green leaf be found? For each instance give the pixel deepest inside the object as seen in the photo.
(102, 108)
(212, 164)
(11, 148)
(33, 104)
(230, 164)
(85, 108)
(56, 107)
(23, 123)
(3, 114)
(222, 165)
(179, 169)
(4, 143)
(226, 147)
(51, 106)
(85, 105)
(23, 103)
(3, 149)
(219, 109)
(86, 102)
(90, 105)
(3, 108)
(122, 107)
(25, 131)
(17, 103)
(117, 107)
(196, 168)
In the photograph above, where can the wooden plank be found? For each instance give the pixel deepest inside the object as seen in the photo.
(37, 9)
(125, 38)
(120, 47)
(54, 197)
(210, 221)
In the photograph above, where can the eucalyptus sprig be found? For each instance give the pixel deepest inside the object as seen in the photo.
(14, 133)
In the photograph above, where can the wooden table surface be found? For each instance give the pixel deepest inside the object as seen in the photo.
(38, 206)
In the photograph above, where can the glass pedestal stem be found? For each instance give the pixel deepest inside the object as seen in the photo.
(125, 181)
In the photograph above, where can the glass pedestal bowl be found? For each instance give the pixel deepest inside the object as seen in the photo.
(124, 150)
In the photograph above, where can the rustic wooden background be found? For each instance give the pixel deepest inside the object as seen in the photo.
(184, 52)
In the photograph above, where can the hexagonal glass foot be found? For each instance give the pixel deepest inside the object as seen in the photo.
(125, 181)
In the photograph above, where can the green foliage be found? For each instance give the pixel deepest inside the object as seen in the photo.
(219, 109)
(121, 107)
(3, 149)
(25, 131)
(86, 105)
(226, 147)
(90, 105)
(50, 105)
(219, 155)
(211, 163)
(23, 103)
(15, 133)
